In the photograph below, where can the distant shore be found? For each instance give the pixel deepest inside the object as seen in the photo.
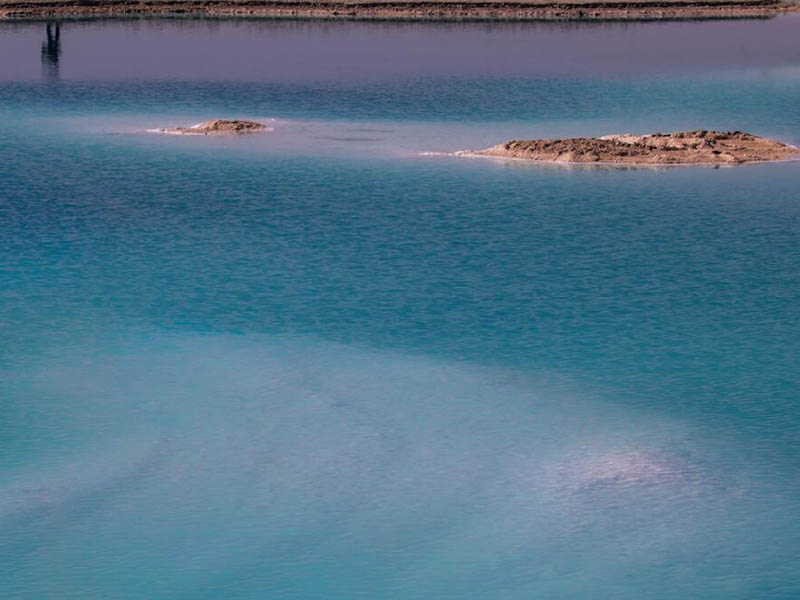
(465, 10)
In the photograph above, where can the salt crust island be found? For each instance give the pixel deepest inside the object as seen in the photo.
(215, 127)
(699, 147)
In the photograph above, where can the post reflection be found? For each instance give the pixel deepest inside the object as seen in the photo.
(51, 52)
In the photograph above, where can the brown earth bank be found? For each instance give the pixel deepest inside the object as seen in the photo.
(699, 147)
(404, 9)
(215, 127)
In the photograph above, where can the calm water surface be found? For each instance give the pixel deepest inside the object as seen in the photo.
(318, 363)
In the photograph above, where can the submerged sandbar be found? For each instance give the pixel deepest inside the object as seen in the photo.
(698, 147)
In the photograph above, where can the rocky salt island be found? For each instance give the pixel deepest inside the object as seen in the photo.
(215, 127)
(699, 147)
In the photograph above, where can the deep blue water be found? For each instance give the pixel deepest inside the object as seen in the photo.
(315, 363)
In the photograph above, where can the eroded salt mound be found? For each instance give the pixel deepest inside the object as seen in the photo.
(215, 127)
(680, 148)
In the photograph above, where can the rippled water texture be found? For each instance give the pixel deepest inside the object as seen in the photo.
(318, 363)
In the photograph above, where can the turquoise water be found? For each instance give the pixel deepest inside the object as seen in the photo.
(317, 363)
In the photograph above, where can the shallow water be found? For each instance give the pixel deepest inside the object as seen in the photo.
(315, 363)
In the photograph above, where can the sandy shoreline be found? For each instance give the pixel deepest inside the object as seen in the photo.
(403, 9)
